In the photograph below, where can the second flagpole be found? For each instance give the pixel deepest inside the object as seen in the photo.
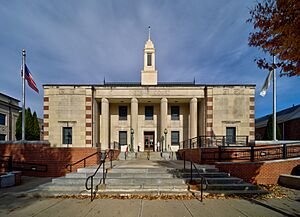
(23, 93)
(274, 100)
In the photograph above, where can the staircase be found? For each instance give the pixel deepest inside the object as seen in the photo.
(152, 156)
(148, 177)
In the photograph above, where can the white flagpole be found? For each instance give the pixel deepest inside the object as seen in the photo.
(274, 101)
(23, 93)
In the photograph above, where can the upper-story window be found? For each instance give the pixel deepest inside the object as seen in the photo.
(174, 112)
(148, 112)
(175, 138)
(67, 135)
(122, 112)
(149, 59)
(2, 119)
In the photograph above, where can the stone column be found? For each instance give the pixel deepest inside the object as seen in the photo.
(163, 121)
(104, 123)
(193, 118)
(134, 122)
(95, 122)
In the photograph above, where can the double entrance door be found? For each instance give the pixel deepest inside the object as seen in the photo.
(149, 141)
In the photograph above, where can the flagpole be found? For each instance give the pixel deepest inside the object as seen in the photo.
(274, 100)
(23, 93)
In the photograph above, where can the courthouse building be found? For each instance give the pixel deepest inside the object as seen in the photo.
(146, 114)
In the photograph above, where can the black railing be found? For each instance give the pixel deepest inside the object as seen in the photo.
(114, 146)
(191, 173)
(6, 163)
(251, 153)
(210, 141)
(103, 156)
(81, 160)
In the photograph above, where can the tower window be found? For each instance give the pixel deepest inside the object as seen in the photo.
(148, 112)
(174, 112)
(122, 112)
(67, 135)
(149, 60)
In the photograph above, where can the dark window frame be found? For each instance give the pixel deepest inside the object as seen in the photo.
(231, 139)
(175, 116)
(2, 119)
(67, 139)
(172, 137)
(149, 110)
(123, 113)
(149, 59)
(2, 137)
(125, 133)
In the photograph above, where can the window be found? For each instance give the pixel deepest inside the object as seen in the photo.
(174, 112)
(2, 137)
(123, 137)
(2, 119)
(175, 138)
(230, 135)
(67, 135)
(148, 112)
(149, 63)
(122, 112)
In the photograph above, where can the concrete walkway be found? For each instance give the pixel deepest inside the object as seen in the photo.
(13, 203)
(12, 206)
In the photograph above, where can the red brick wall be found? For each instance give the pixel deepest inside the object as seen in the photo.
(266, 172)
(193, 154)
(55, 158)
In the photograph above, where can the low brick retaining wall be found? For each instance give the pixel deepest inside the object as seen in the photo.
(56, 159)
(264, 172)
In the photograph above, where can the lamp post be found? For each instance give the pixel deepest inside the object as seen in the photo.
(131, 146)
(165, 132)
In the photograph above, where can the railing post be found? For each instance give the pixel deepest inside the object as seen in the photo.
(103, 172)
(220, 153)
(111, 156)
(247, 140)
(284, 150)
(10, 164)
(84, 163)
(92, 188)
(223, 141)
(184, 160)
(191, 171)
(252, 153)
(70, 167)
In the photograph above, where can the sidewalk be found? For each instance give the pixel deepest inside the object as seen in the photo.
(12, 203)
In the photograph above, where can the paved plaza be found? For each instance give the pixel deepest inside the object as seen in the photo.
(14, 203)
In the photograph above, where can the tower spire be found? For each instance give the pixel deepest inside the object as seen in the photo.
(149, 32)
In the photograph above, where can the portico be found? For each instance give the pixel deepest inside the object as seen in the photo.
(146, 115)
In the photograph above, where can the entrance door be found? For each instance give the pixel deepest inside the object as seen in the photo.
(149, 141)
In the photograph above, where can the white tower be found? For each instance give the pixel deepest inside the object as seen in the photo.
(149, 74)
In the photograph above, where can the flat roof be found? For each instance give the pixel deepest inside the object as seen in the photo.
(159, 84)
(9, 97)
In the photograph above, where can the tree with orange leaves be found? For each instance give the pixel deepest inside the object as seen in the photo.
(277, 32)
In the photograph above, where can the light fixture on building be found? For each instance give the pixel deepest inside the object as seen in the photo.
(165, 132)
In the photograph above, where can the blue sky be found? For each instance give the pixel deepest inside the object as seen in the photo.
(73, 41)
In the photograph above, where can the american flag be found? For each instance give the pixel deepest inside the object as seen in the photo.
(30, 80)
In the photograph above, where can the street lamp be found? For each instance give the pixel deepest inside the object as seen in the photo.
(165, 132)
(131, 132)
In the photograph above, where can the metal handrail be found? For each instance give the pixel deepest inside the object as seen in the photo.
(79, 161)
(202, 177)
(102, 162)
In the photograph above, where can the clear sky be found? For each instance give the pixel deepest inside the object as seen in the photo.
(72, 41)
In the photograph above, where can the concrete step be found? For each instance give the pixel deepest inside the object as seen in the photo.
(127, 170)
(200, 169)
(237, 192)
(122, 175)
(207, 175)
(227, 180)
(227, 187)
(121, 181)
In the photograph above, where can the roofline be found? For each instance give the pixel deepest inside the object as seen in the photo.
(138, 84)
(265, 116)
(10, 97)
